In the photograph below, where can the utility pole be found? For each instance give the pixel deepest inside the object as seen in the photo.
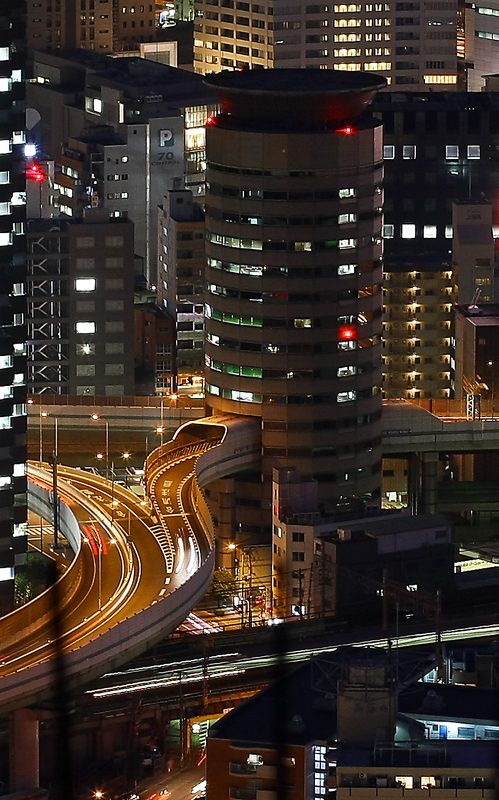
(55, 498)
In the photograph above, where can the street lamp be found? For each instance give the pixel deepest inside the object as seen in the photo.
(41, 414)
(99, 455)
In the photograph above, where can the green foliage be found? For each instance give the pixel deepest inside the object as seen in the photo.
(33, 577)
(223, 585)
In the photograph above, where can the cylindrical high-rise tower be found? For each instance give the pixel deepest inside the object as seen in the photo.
(294, 267)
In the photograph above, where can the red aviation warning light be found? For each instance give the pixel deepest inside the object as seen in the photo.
(210, 119)
(34, 172)
(348, 130)
(347, 333)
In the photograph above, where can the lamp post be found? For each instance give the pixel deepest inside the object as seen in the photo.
(492, 381)
(55, 499)
(99, 577)
(41, 414)
(106, 424)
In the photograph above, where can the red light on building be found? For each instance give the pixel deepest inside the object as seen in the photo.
(34, 172)
(347, 333)
(347, 130)
(210, 120)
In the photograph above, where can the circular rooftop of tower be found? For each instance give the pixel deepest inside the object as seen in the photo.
(310, 95)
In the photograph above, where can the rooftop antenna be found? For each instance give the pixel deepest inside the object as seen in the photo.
(473, 307)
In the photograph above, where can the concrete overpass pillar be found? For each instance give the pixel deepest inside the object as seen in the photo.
(24, 753)
(414, 482)
(429, 483)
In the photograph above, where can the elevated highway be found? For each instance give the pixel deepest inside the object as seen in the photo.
(139, 568)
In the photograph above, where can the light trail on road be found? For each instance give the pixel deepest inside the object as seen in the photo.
(193, 670)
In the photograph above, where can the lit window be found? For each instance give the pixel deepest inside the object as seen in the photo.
(451, 151)
(344, 372)
(473, 151)
(85, 284)
(449, 232)
(347, 269)
(389, 151)
(346, 397)
(5, 239)
(4, 209)
(345, 218)
(409, 151)
(408, 231)
(4, 54)
(85, 327)
(388, 231)
(342, 193)
(347, 244)
(430, 232)
(5, 146)
(5, 84)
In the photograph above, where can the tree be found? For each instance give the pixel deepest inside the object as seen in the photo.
(223, 585)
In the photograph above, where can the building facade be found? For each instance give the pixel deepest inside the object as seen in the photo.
(294, 265)
(80, 313)
(131, 130)
(181, 259)
(417, 331)
(413, 45)
(13, 168)
(110, 27)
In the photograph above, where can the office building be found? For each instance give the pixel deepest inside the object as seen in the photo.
(481, 42)
(13, 176)
(131, 129)
(180, 284)
(413, 45)
(80, 311)
(353, 724)
(105, 27)
(294, 268)
(438, 149)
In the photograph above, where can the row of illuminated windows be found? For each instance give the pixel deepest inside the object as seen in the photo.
(110, 349)
(359, 37)
(352, 52)
(299, 247)
(251, 193)
(117, 195)
(487, 35)
(409, 230)
(452, 151)
(357, 23)
(349, 396)
(256, 271)
(90, 327)
(90, 284)
(247, 219)
(245, 371)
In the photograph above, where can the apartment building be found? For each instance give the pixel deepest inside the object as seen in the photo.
(417, 331)
(413, 44)
(357, 723)
(14, 171)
